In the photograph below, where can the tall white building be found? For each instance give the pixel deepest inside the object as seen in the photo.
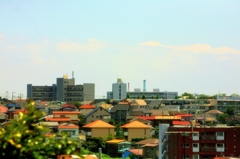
(119, 90)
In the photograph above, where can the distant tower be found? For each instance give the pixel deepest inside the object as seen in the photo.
(144, 86)
(7, 95)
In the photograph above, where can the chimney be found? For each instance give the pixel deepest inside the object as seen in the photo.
(144, 86)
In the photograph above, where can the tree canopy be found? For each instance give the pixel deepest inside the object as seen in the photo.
(24, 138)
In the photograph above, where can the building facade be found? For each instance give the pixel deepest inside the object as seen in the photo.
(64, 90)
(119, 92)
(183, 142)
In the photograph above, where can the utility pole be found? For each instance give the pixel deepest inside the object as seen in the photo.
(12, 95)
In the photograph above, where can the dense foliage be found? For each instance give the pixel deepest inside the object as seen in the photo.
(24, 138)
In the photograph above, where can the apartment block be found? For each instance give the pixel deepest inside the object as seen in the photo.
(185, 142)
(65, 89)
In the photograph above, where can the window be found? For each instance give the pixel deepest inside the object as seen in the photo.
(185, 145)
(195, 145)
(219, 145)
(219, 133)
(195, 134)
(185, 134)
(195, 157)
(185, 156)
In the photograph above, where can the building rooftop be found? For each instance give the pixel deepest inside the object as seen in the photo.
(114, 141)
(86, 106)
(58, 119)
(68, 126)
(65, 112)
(98, 124)
(135, 124)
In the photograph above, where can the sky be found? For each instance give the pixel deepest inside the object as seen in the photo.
(181, 46)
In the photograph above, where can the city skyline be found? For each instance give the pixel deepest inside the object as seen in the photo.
(187, 46)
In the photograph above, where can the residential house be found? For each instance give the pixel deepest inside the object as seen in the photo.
(116, 147)
(15, 114)
(136, 152)
(50, 108)
(150, 151)
(3, 117)
(147, 141)
(144, 121)
(99, 128)
(40, 107)
(72, 131)
(53, 127)
(140, 112)
(120, 112)
(86, 106)
(3, 109)
(140, 103)
(97, 113)
(71, 116)
(136, 129)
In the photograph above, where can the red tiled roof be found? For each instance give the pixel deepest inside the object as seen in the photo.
(86, 106)
(3, 109)
(18, 111)
(66, 112)
(58, 119)
(68, 105)
(98, 124)
(185, 115)
(68, 126)
(181, 122)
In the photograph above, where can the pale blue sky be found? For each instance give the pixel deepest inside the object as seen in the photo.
(185, 45)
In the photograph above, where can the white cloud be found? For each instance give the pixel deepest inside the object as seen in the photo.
(196, 48)
(92, 45)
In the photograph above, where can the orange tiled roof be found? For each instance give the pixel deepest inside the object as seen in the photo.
(58, 119)
(68, 126)
(3, 109)
(86, 106)
(135, 124)
(66, 112)
(98, 124)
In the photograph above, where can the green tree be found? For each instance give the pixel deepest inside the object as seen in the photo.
(143, 96)
(138, 97)
(188, 95)
(76, 104)
(234, 95)
(222, 118)
(128, 96)
(152, 97)
(157, 96)
(230, 110)
(202, 96)
(81, 120)
(156, 130)
(24, 138)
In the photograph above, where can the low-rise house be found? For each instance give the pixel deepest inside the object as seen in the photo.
(120, 112)
(136, 129)
(147, 141)
(72, 131)
(3, 117)
(99, 128)
(86, 106)
(97, 113)
(136, 152)
(51, 108)
(144, 121)
(150, 151)
(73, 115)
(116, 147)
(3, 109)
(15, 114)
(140, 112)
(139, 103)
(53, 127)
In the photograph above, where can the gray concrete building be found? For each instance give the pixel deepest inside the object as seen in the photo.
(119, 91)
(64, 90)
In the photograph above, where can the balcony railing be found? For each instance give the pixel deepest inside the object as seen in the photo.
(208, 149)
(208, 137)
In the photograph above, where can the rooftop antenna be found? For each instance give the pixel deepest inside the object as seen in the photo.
(72, 74)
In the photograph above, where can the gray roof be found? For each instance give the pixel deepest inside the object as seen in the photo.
(142, 110)
(94, 110)
(84, 112)
(119, 107)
